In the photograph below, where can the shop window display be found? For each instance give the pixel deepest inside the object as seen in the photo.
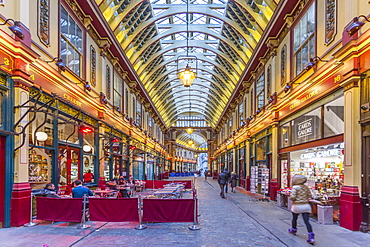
(68, 165)
(39, 167)
(284, 173)
(40, 159)
(323, 167)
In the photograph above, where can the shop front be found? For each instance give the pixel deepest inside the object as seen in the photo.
(116, 153)
(240, 165)
(138, 167)
(6, 128)
(365, 132)
(62, 145)
(260, 162)
(311, 144)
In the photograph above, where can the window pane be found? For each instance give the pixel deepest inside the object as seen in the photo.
(261, 149)
(307, 127)
(334, 117)
(304, 39)
(39, 167)
(71, 42)
(284, 135)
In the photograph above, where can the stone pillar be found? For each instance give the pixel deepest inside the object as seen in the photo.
(273, 184)
(350, 205)
(100, 152)
(247, 165)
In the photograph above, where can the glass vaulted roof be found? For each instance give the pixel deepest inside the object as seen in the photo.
(159, 35)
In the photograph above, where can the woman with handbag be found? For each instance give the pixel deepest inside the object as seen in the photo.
(300, 195)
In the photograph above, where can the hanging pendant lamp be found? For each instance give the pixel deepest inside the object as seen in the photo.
(188, 75)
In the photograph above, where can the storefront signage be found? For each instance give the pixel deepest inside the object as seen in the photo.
(305, 128)
(6, 62)
(72, 100)
(321, 88)
(321, 154)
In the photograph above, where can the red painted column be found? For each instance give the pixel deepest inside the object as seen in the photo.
(350, 208)
(248, 184)
(273, 188)
(20, 204)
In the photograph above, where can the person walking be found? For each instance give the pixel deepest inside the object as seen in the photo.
(299, 196)
(233, 181)
(228, 175)
(222, 181)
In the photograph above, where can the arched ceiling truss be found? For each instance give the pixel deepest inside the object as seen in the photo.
(195, 138)
(156, 35)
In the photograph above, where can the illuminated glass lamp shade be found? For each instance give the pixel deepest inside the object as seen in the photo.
(187, 76)
(190, 142)
(41, 136)
(189, 130)
(87, 148)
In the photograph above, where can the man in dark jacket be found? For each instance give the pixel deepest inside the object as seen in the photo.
(222, 181)
(228, 176)
(48, 191)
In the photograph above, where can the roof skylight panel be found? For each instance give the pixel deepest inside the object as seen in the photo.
(158, 11)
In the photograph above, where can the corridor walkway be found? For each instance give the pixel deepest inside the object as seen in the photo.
(236, 221)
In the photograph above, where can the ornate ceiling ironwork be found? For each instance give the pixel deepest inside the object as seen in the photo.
(222, 35)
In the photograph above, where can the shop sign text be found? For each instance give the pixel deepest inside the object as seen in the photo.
(305, 128)
(72, 100)
(321, 154)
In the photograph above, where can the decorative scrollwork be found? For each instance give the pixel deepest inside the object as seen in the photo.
(330, 20)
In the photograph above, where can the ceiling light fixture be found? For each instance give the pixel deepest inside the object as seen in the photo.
(189, 130)
(187, 75)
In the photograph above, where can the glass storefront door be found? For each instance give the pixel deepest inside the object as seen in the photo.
(68, 165)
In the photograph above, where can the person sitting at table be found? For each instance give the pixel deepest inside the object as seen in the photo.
(121, 181)
(48, 191)
(79, 191)
(131, 180)
(112, 184)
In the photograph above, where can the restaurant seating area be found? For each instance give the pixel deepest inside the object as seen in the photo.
(163, 201)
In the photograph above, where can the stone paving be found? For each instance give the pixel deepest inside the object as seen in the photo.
(238, 220)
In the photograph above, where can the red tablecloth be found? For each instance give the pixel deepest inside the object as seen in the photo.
(168, 210)
(59, 209)
(114, 209)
